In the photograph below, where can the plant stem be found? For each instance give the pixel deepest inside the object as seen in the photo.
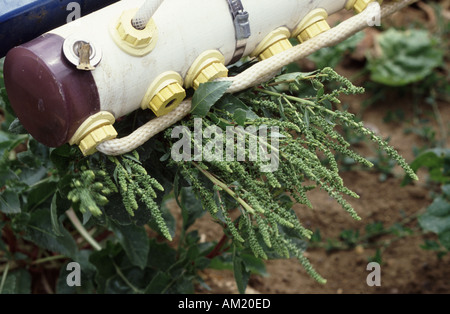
(48, 259)
(84, 233)
(5, 274)
(127, 282)
(225, 188)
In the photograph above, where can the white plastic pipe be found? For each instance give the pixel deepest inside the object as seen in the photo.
(185, 30)
(145, 13)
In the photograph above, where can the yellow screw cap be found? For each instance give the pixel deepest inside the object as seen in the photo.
(95, 130)
(211, 72)
(359, 5)
(164, 94)
(274, 43)
(167, 99)
(209, 66)
(89, 144)
(134, 41)
(312, 25)
(275, 49)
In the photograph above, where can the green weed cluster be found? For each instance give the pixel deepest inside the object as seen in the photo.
(300, 106)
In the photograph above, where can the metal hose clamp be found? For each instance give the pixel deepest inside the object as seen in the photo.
(241, 26)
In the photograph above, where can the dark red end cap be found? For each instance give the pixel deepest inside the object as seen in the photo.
(49, 95)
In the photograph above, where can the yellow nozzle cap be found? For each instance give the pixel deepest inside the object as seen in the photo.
(95, 130)
(164, 94)
(359, 5)
(312, 25)
(89, 144)
(275, 49)
(167, 99)
(131, 40)
(211, 72)
(209, 66)
(274, 43)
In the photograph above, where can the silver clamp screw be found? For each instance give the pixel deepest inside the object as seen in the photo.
(241, 26)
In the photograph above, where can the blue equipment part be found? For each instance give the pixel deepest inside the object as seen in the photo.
(24, 20)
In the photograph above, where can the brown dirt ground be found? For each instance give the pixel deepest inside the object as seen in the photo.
(406, 268)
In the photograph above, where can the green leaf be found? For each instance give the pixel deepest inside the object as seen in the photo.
(231, 104)
(240, 116)
(9, 202)
(207, 95)
(10, 141)
(40, 232)
(434, 160)
(104, 263)
(191, 207)
(134, 241)
(161, 256)
(17, 282)
(437, 217)
(254, 265)
(406, 57)
(159, 283)
(116, 285)
(241, 274)
(54, 217)
(40, 192)
(293, 76)
(444, 238)
(17, 128)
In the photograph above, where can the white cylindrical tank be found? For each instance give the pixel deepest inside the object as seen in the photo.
(185, 43)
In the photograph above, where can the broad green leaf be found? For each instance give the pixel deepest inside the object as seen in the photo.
(434, 160)
(40, 192)
(17, 282)
(240, 116)
(104, 263)
(406, 57)
(135, 242)
(191, 207)
(231, 103)
(254, 265)
(116, 285)
(207, 95)
(159, 283)
(222, 262)
(40, 232)
(9, 202)
(241, 274)
(161, 256)
(437, 217)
